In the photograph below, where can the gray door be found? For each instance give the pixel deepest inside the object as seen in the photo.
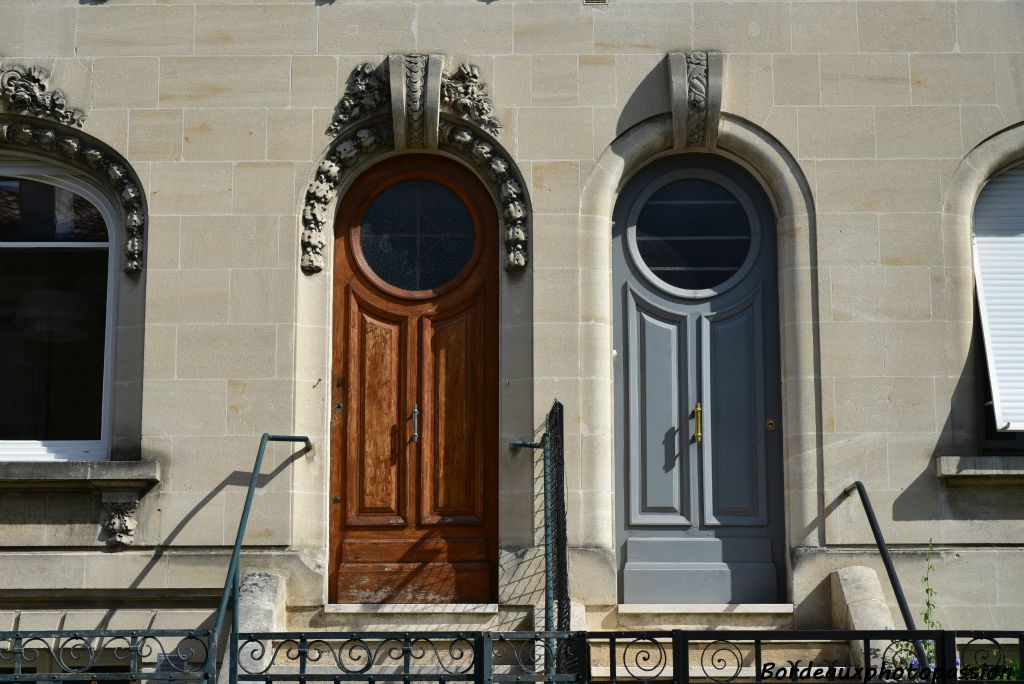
(698, 440)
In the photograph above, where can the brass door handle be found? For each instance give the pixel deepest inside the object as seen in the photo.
(698, 415)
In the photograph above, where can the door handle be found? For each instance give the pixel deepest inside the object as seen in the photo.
(698, 420)
(415, 423)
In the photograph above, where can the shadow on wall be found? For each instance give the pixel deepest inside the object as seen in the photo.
(650, 97)
(238, 478)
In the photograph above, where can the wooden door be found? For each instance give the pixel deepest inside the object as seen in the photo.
(414, 401)
(698, 446)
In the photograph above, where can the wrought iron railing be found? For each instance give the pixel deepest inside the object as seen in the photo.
(628, 657)
(108, 656)
(231, 581)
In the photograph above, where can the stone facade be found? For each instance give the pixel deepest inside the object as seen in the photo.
(873, 125)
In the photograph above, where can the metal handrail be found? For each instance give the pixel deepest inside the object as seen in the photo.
(890, 569)
(231, 580)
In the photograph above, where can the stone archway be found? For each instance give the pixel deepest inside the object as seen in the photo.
(697, 124)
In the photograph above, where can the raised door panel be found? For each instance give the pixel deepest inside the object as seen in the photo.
(658, 387)
(733, 451)
(453, 449)
(375, 463)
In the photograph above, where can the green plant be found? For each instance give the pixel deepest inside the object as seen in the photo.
(928, 616)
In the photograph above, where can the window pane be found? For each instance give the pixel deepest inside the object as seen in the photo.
(36, 212)
(693, 234)
(417, 235)
(52, 329)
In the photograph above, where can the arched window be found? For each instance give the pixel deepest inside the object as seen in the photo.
(57, 314)
(998, 252)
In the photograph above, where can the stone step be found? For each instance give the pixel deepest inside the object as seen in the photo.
(717, 616)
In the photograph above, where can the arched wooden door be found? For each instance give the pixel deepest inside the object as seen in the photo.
(414, 399)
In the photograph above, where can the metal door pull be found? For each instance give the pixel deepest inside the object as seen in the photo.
(415, 423)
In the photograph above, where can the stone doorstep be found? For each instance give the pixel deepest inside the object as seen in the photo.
(487, 609)
(716, 609)
(725, 616)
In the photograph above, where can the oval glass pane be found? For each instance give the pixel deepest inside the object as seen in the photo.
(31, 211)
(693, 234)
(417, 235)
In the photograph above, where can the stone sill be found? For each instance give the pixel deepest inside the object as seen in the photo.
(411, 608)
(706, 609)
(988, 471)
(95, 476)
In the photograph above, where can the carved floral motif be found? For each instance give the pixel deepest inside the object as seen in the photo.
(120, 523)
(465, 143)
(365, 92)
(344, 154)
(98, 163)
(25, 90)
(466, 95)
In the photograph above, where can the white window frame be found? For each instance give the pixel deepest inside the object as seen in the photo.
(74, 450)
(1004, 423)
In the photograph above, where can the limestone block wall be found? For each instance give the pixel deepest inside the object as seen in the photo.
(222, 108)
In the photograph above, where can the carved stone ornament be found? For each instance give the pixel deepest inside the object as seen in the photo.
(38, 121)
(464, 142)
(466, 94)
(96, 160)
(25, 90)
(346, 152)
(120, 522)
(365, 92)
(423, 108)
(696, 82)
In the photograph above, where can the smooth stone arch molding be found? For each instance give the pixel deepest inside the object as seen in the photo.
(411, 103)
(778, 172)
(990, 157)
(36, 123)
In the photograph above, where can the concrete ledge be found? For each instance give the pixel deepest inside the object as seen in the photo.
(411, 608)
(706, 608)
(1005, 471)
(136, 476)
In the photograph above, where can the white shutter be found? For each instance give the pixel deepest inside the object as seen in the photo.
(999, 272)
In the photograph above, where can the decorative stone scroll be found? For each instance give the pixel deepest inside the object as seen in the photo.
(696, 83)
(412, 104)
(25, 90)
(38, 121)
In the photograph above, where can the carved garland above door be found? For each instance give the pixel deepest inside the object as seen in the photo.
(411, 103)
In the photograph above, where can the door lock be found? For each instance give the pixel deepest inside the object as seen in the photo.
(770, 424)
(339, 406)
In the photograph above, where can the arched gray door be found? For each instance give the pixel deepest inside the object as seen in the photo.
(698, 440)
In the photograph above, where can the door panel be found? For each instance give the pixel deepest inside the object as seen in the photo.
(659, 400)
(377, 417)
(414, 494)
(732, 452)
(451, 378)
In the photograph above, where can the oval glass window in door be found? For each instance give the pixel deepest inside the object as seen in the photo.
(417, 235)
(693, 234)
